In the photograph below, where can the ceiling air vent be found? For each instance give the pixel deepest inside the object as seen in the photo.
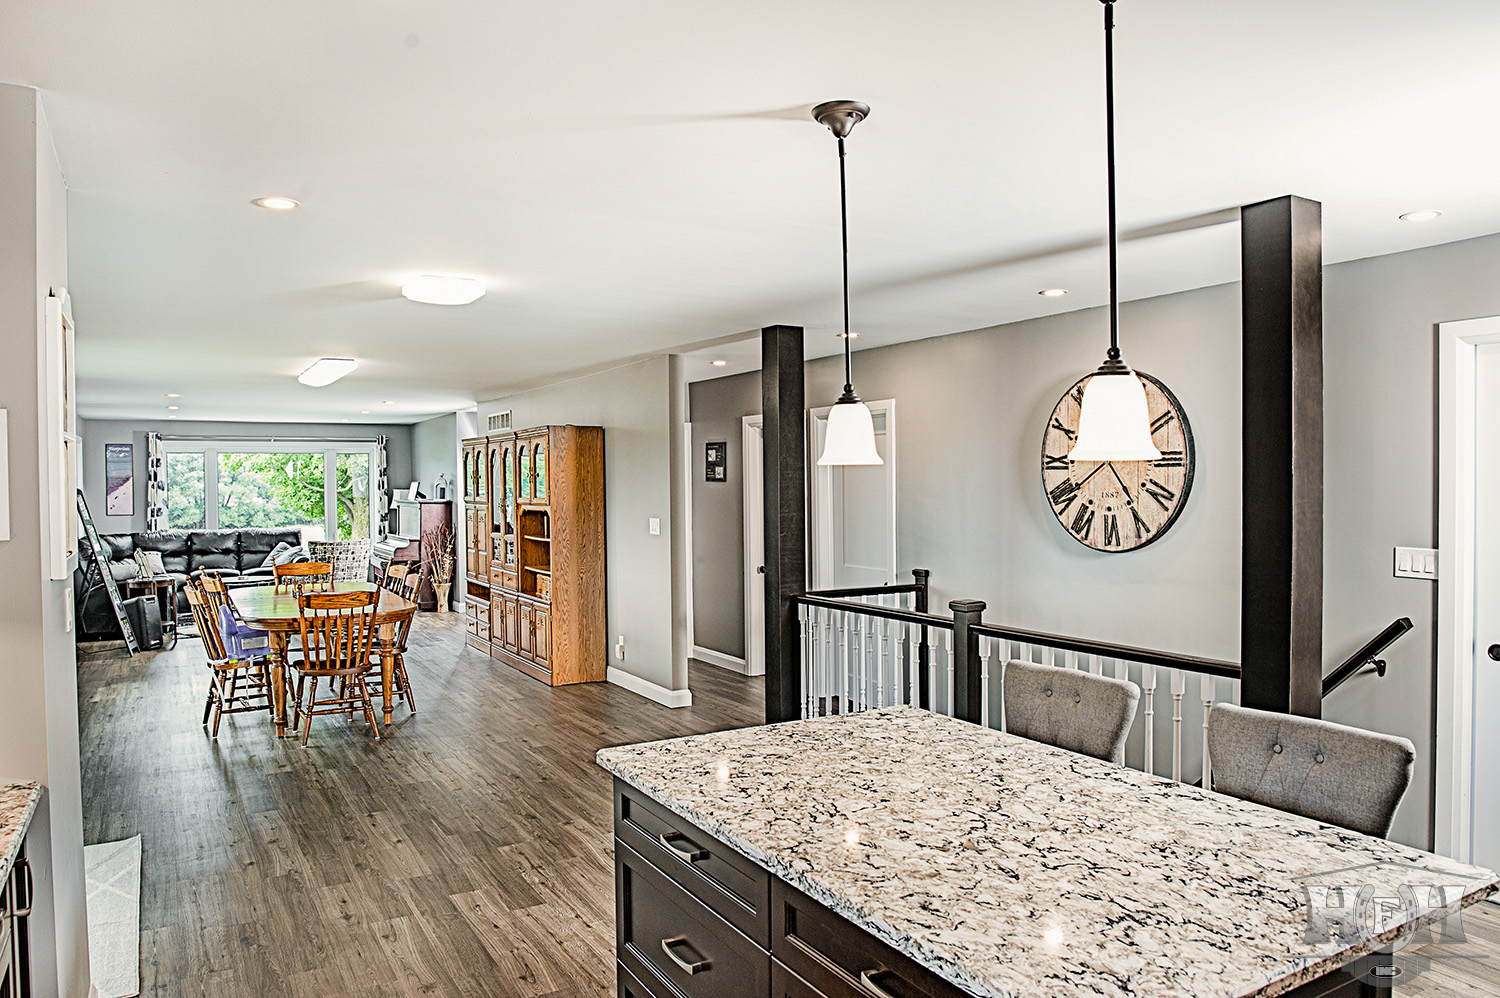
(499, 421)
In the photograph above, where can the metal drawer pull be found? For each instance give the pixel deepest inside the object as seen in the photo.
(867, 981)
(25, 866)
(691, 854)
(696, 967)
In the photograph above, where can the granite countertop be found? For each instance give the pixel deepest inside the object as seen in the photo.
(17, 804)
(1017, 870)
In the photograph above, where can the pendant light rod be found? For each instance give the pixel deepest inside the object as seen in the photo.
(844, 229)
(1109, 159)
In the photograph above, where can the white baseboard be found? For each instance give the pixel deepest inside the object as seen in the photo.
(648, 689)
(720, 659)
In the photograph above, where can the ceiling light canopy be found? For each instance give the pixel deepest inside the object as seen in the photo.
(327, 370)
(276, 202)
(1421, 216)
(850, 437)
(438, 289)
(1113, 421)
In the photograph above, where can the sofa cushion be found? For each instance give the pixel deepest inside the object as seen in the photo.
(270, 559)
(173, 545)
(298, 554)
(214, 549)
(118, 547)
(257, 543)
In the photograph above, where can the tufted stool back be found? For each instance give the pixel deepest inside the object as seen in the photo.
(1320, 770)
(1070, 709)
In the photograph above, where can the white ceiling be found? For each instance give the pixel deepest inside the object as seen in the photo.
(630, 178)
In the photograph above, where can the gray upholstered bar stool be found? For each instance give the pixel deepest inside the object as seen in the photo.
(1074, 710)
(1328, 772)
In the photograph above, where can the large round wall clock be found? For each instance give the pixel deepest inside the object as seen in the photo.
(1118, 505)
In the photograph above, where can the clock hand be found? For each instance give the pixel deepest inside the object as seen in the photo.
(1125, 488)
(1093, 473)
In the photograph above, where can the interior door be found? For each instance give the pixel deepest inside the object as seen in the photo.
(853, 540)
(1485, 794)
(752, 436)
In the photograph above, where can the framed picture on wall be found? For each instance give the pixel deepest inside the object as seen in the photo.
(119, 479)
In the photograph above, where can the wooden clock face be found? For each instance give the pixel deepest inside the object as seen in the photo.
(1118, 505)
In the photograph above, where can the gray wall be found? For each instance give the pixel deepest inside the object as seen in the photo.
(970, 506)
(38, 672)
(633, 405)
(435, 451)
(715, 408)
(98, 432)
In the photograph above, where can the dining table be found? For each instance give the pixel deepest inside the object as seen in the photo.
(274, 609)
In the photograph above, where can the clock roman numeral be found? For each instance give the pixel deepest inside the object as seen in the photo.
(1111, 530)
(1083, 520)
(1161, 421)
(1055, 463)
(1156, 490)
(1141, 530)
(1063, 494)
(1169, 459)
(1057, 425)
(1077, 394)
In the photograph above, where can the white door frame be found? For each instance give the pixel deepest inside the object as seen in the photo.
(820, 548)
(752, 478)
(1458, 344)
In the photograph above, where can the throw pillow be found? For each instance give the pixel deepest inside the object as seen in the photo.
(292, 554)
(280, 548)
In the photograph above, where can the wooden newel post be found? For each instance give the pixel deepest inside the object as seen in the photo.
(968, 687)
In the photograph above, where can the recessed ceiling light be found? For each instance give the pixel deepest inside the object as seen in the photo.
(171, 407)
(364, 412)
(852, 335)
(343, 421)
(437, 289)
(720, 363)
(387, 403)
(174, 395)
(327, 370)
(172, 417)
(276, 203)
(1420, 216)
(1052, 292)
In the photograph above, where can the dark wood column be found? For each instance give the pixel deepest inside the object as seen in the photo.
(785, 468)
(1281, 587)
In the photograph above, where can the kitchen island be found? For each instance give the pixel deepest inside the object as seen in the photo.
(901, 852)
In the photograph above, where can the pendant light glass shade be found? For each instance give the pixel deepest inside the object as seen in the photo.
(1113, 422)
(850, 438)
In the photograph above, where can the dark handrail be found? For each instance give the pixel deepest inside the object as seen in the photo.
(1366, 655)
(1086, 646)
(875, 610)
(921, 575)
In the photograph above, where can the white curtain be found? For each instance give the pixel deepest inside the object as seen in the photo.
(156, 483)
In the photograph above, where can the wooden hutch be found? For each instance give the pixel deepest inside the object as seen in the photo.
(534, 564)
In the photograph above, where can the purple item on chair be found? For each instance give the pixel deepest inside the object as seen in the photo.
(242, 641)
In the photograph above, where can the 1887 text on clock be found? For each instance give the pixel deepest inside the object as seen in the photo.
(1118, 505)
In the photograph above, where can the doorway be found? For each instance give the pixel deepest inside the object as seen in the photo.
(852, 524)
(752, 438)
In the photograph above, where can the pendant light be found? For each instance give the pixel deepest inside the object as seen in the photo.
(850, 438)
(1113, 422)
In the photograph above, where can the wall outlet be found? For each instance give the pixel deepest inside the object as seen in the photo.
(654, 525)
(1416, 563)
(620, 648)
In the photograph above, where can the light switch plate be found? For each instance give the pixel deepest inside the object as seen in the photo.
(655, 525)
(1416, 563)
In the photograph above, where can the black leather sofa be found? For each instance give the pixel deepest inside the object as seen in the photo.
(183, 552)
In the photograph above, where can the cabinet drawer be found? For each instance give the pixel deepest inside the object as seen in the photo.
(785, 984)
(661, 928)
(834, 956)
(736, 889)
(508, 580)
(630, 986)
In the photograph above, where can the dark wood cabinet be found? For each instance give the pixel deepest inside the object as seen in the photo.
(693, 917)
(15, 945)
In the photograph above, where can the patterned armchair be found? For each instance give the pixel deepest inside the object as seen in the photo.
(350, 559)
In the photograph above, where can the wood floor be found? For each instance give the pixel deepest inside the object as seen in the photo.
(466, 854)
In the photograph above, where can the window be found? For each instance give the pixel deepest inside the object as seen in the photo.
(320, 491)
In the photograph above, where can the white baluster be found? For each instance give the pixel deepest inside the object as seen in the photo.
(948, 649)
(1148, 684)
(984, 683)
(884, 625)
(807, 662)
(1179, 686)
(1206, 693)
(841, 681)
(1122, 669)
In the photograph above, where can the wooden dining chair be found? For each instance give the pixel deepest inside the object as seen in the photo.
(406, 588)
(395, 576)
(338, 634)
(303, 576)
(236, 685)
(1074, 710)
(1328, 772)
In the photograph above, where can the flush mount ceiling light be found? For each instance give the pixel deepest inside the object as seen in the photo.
(850, 437)
(1052, 292)
(327, 370)
(276, 203)
(437, 289)
(1113, 421)
(1420, 216)
(174, 395)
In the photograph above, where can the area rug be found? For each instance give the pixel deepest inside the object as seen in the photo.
(113, 873)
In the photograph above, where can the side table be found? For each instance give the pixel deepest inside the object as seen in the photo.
(165, 591)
